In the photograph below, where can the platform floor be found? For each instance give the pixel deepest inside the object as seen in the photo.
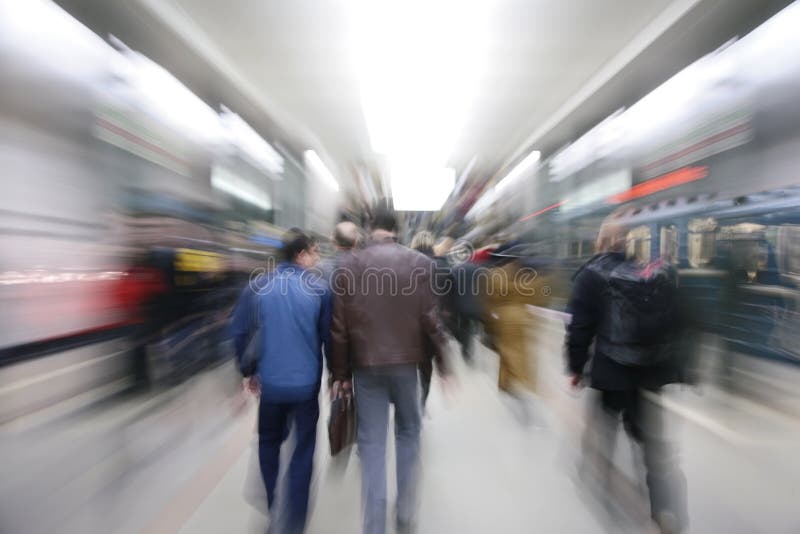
(482, 472)
(183, 461)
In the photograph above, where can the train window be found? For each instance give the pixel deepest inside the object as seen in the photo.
(563, 248)
(702, 241)
(588, 247)
(788, 246)
(638, 246)
(745, 246)
(574, 249)
(743, 231)
(669, 244)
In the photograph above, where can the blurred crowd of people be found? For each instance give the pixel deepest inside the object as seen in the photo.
(378, 314)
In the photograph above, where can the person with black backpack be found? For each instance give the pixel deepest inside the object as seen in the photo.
(628, 310)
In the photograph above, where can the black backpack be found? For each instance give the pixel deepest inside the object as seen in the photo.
(638, 324)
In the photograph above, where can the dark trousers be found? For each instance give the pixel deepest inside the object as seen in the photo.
(463, 334)
(425, 376)
(643, 421)
(461, 327)
(273, 429)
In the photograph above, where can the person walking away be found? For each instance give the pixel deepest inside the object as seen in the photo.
(346, 238)
(462, 302)
(628, 311)
(288, 311)
(511, 287)
(423, 243)
(385, 315)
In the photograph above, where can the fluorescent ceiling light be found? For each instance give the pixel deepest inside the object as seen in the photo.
(169, 100)
(523, 166)
(416, 188)
(227, 181)
(493, 193)
(418, 65)
(252, 145)
(319, 169)
(49, 36)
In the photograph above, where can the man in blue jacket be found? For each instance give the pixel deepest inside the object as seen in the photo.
(283, 319)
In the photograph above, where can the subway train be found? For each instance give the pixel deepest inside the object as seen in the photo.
(705, 172)
(125, 214)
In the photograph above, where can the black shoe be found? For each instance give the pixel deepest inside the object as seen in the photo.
(405, 527)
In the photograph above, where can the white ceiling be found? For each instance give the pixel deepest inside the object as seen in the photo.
(555, 68)
(295, 55)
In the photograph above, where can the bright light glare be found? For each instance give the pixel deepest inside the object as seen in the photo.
(173, 102)
(319, 169)
(483, 202)
(418, 65)
(520, 169)
(418, 189)
(240, 134)
(45, 32)
(225, 180)
(491, 195)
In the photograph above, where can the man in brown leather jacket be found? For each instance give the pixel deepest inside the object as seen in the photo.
(385, 315)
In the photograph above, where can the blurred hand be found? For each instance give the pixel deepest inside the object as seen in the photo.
(252, 385)
(341, 388)
(576, 381)
(347, 388)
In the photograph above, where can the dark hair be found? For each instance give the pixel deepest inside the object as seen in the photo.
(294, 242)
(384, 219)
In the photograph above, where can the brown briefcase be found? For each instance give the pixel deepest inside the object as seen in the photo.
(342, 424)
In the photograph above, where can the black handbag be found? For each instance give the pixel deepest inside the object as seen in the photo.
(342, 424)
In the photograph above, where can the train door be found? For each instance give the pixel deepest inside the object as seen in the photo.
(761, 318)
(786, 334)
(669, 244)
(701, 242)
(638, 246)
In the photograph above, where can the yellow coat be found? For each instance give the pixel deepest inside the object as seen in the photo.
(508, 291)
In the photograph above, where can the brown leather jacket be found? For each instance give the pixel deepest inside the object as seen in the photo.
(385, 311)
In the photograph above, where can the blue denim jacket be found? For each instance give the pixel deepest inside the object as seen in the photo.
(289, 310)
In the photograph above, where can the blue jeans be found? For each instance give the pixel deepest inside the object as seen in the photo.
(375, 389)
(273, 429)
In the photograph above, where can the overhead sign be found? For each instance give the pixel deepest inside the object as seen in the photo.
(197, 261)
(672, 179)
(711, 135)
(135, 132)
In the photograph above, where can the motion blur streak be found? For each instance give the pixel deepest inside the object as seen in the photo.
(154, 154)
(120, 262)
